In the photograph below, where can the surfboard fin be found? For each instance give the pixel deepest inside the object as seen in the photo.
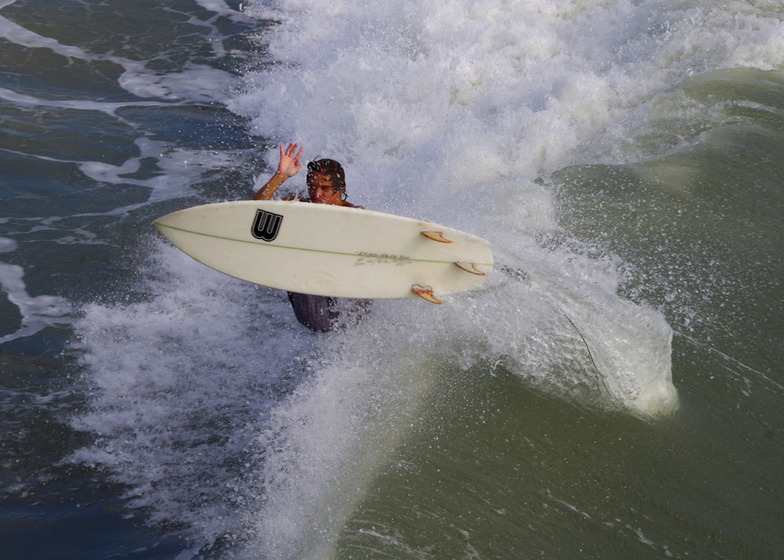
(470, 268)
(425, 293)
(436, 236)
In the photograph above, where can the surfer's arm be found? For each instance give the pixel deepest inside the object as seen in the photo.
(288, 167)
(268, 190)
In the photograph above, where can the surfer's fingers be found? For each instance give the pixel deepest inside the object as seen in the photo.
(290, 149)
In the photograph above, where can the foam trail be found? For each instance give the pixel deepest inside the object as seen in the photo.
(181, 169)
(37, 312)
(17, 34)
(221, 9)
(197, 82)
(23, 100)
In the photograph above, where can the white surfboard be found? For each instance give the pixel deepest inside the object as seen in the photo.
(330, 250)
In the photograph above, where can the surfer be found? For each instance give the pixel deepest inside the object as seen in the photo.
(326, 183)
(326, 179)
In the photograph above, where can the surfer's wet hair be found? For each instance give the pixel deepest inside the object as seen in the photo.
(331, 169)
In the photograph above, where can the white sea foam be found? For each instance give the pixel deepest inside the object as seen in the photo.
(221, 8)
(180, 169)
(197, 82)
(19, 35)
(24, 100)
(38, 312)
(7, 245)
(179, 386)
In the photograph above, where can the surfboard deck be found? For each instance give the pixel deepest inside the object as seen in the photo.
(329, 250)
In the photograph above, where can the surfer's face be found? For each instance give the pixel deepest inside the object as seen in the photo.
(321, 190)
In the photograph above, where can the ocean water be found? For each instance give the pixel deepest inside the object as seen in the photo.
(614, 391)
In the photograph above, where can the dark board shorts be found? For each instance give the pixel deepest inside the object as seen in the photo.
(324, 314)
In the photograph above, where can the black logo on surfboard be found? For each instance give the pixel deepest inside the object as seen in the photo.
(266, 225)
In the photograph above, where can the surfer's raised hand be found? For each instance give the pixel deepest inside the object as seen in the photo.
(289, 162)
(288, 167)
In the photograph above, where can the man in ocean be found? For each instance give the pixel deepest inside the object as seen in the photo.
(326, 182)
